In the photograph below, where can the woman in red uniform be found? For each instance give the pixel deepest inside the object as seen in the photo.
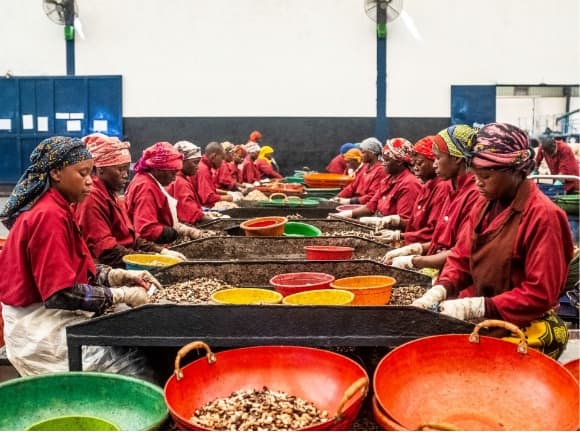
(152, 210)
(226, 175)
(103, 216)
(337, 165)
(511, 260)
(429, 204)
(264, 164)
(250, 172)
(451, 164)
(49, 279)
(399, 189)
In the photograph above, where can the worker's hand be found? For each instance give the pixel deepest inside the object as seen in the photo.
(141, 278)
(412, 249)
(391, 221)
(187, 231)
(433, 296)
(388, 235)
(370, 220)
(256, 183)
(334, 199)
(344, 200)
(236, 196)
(464, 309)
(131, 296)
(342, 214)
(404, 262)
(172, 253)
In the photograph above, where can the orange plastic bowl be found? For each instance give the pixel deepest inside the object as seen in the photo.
(327, 180)
(574, 367)
(292, 283)
(368, 290)
(269, 226)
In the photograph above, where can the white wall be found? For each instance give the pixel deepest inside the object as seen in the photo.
(296, 57)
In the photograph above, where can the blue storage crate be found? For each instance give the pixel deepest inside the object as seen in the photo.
(551, 190)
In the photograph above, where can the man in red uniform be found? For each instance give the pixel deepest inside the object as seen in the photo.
(337, 165)
(399, 189)
(205, 184)
(429, 205)
(451, 164)
(152, 210)
(226, 179)
(367, 179)
(560, 160)
(103, 216)
(511, 260)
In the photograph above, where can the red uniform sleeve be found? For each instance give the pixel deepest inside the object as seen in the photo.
(145, 218)
(436, 203)
(407, 196)
(225, 179)
(569, 166)
(372, 185)
(93, 217)
(206, 190)
(249, 172)
(337, 165)
(349, 190)
(539, 156)
(188, 209)
(266, 170)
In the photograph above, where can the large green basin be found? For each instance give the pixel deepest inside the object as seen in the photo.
(129, 403)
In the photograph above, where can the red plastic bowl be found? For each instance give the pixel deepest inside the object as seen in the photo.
(346, 207)
(328, 252)
(292, 283)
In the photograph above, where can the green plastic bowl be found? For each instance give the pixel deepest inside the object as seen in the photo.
(127, 403)
(74, 423)
(569, 203)
(301, 229)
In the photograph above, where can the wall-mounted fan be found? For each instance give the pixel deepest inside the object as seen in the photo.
(66, 13)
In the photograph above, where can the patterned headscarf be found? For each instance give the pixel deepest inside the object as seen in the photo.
(240, 151)
(227, 146)
(188, 149)
(255, 136)
(53, 153)
(503, 145)
(253, 148)
(161, 156)
(424, 147)
(107, 151)
(353, 154)
(372, 145)
(399, 149)
(457, 141)
(346, 147)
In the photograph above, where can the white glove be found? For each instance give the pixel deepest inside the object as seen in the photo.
(370, 220)
(236, 196)
(344, 200)
(404, 262)
(256, 183)
(334, 199)
(187, 231)
(131, 296)
(172, 253)
(433, 296)
(412, 249)
(120, 277)
(464, 309)
(391, 221)
(344, 214)
(388, 235)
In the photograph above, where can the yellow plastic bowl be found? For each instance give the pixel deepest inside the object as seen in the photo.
(328, 297)
(148, 262)
(368, 290)
(246, 296)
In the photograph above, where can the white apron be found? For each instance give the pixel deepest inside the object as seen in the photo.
(172, 202)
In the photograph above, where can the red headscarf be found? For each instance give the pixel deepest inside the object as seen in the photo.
(255, 136)
(107, 151)
(161, 156)
(424, 146)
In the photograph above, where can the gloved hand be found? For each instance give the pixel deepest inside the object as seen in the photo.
(388, 235)
(412, 249)
(342, 214)
(464, 309)
(120, 277)
(334, 199)
(344, 200)
(404, 262)
(131, 296)
(256, 183)
(433, 296)
(236, 196)
(172, 253)
(187, 231)
(373, 221)
(391, 221)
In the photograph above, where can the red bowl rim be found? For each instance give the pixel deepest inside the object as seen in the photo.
(324, 278)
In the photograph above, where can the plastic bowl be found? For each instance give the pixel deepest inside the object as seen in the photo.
(301, 229)
(74, 423)
(368, 290)
(574, 367)
(326, 253)
(346, 207)
(327, 180)
(292, 283)
(148, 262)
(329, 297)
(269, 226)
(246, 296)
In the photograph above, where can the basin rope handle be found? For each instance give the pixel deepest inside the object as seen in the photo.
(522, 345)
(186, 350)
(437, 426)
(283, 195)
(360, 384)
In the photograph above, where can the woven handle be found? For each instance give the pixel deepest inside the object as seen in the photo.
(354, 388)
(283, 195)
(437, 426)
(522, 346)
(186, 350)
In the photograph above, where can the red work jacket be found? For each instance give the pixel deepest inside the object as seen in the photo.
(104, 220)
(250, 172)
(148, 207)
(265, 169)
(396, 195)
(188, 206)
(563, 162)
(44, 253)
(337, 165)
(225, 177)
(366, 183)
(205, 185)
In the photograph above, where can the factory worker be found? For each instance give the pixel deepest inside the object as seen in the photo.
(399, 189)
(429, 204)
(238, 156)
(511, 260)
(353, 159)
(451, 164)
(264, 164)
(368, 178)
(225, 174)
(254, 139)
(49, 279)
(337, 165)
(560, 160)
(151, 209)
(205, 181)
(103, 216)
(250, 172)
